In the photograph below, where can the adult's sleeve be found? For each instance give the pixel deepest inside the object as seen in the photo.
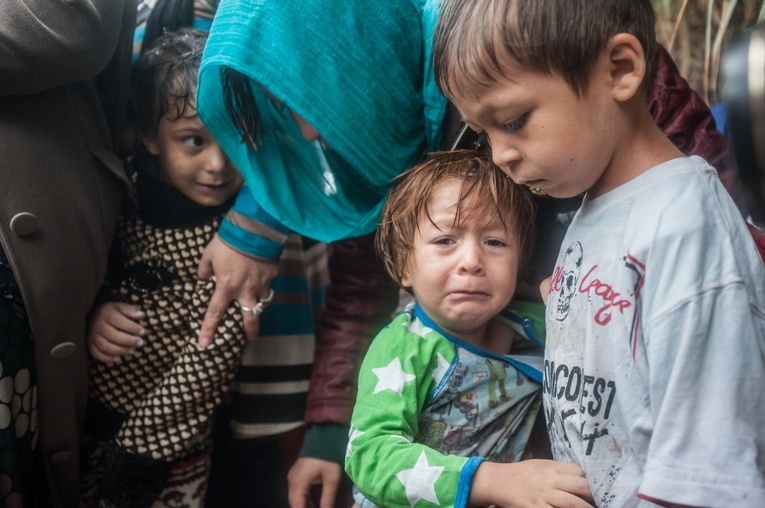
(360, 300)
(48, 43)
(687, 121)
(249, 229)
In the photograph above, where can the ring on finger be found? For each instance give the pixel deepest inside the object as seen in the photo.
(269, 298)
(256, 309)
(260, 306)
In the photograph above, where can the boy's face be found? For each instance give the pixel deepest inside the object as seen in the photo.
(543, 135)
(192, 161)
(461, 276)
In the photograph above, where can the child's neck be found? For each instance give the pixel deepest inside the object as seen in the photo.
(642, 146)
(494, 336)
(498, 337)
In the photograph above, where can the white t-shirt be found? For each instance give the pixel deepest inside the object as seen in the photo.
(655, 358)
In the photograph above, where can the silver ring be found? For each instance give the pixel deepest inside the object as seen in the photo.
(259, 307)
(256, 309)
(269, 298)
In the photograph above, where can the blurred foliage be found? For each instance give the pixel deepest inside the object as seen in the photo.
(696, 33)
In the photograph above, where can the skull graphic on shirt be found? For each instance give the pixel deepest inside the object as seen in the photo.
(572, 264)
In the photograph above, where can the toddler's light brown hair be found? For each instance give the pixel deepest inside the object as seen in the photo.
(485, 189)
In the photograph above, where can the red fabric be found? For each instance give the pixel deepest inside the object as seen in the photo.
(361, 298)
(687, 120)
(759, 240)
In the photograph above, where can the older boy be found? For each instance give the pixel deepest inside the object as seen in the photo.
(656, 313)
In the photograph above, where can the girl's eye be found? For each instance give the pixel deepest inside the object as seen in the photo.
(496, 243)
(517, 124)
(443, 241)
(194, 141)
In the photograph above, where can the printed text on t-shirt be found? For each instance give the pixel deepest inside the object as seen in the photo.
(591, 285)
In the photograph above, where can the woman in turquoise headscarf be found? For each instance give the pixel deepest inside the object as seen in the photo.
(321, 105)
(357, 72)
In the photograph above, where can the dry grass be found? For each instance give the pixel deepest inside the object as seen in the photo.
(696, 33)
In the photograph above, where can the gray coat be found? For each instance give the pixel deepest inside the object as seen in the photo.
(64, 72)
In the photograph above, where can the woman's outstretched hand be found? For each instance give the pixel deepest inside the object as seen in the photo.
(237, 277)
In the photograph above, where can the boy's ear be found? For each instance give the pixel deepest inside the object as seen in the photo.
(626, 66)
(406, 281)
(150, 142)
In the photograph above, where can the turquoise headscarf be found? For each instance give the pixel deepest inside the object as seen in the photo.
(359, 71)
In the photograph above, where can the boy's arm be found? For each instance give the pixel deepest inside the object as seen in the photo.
(686, 119)
(397, 377)
(705, 359)
(703, 319)
(386, 465)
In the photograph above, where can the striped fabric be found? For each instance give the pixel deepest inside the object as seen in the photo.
(269, 393)
(251, 230)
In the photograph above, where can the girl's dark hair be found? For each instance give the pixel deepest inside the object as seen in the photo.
(167, 16)
(167, 77)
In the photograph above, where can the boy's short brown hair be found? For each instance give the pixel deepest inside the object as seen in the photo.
(556, 37)
(485, 188)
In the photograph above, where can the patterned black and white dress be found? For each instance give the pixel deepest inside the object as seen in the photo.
(19, 426)
(150, 415)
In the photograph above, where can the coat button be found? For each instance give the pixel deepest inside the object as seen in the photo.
(63, 350)
(61, 457)
(24, 224)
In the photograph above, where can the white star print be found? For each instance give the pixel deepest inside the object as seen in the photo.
(391, 377)
(353, 435)
(440, 371)
(420, 481)
(418, 328)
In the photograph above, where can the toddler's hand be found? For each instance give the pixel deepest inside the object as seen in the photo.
(114, 331)
(538, 483)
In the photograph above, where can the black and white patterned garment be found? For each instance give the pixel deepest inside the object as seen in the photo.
(150, 414)
(19, 427)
